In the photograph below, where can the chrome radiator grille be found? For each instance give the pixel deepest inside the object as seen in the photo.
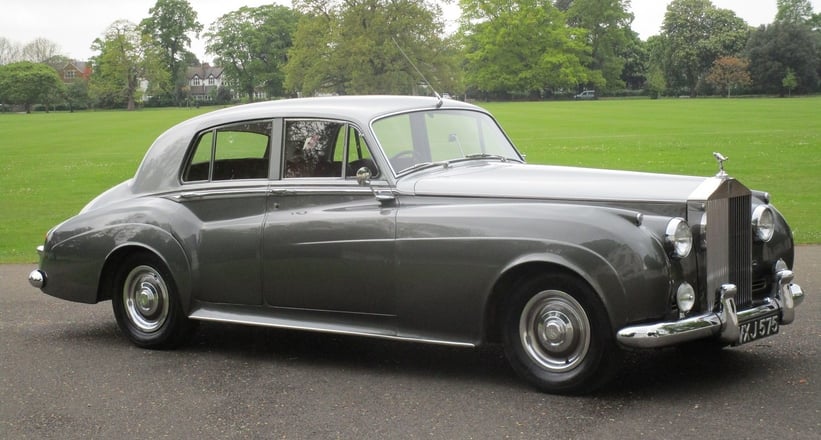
(729, 246)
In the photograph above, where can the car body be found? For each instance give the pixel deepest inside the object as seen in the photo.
(587, 94)
(416, 219)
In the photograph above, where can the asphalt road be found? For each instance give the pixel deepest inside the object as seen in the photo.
(66, 372)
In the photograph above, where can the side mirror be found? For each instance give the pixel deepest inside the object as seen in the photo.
(363, 176)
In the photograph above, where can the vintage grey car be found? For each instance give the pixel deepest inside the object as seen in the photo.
(416, 219)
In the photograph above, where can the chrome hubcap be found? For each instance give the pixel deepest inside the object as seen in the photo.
(555, 331)
(146, 299)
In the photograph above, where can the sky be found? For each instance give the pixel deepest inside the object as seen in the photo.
(75, 25)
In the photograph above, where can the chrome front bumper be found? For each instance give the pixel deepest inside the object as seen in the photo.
(724, 323)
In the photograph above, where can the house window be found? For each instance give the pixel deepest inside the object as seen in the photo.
(211, 80)
(195, 81)
(68, 74)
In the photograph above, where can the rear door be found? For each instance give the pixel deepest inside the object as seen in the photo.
(225, 187)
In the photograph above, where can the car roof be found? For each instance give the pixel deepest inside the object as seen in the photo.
(160, 165)
(360, 108)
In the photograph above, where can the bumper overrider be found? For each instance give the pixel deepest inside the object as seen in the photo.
(37, 277)
(723, 323)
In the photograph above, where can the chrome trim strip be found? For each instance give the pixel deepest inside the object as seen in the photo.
(203, 314)
(296, 190)
(219, 193)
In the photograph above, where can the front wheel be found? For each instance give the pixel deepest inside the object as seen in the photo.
(557, 335)
(146, 304)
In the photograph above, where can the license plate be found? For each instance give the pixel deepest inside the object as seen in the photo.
(757, 329)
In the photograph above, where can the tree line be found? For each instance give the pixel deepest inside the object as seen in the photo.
(503, 49)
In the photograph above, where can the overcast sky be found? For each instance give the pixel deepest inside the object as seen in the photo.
(75, 25)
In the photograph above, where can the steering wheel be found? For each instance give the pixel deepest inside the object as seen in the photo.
(403, 159)
(405, 154)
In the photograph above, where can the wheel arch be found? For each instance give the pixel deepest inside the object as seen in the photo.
(167, 250)
(592, 269)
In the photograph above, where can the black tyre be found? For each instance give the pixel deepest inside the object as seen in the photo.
(146, 303)
(557, 335)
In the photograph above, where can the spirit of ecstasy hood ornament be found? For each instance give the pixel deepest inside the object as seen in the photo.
(721, 159)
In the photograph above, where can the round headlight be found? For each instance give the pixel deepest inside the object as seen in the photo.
(678, 237)
(763, 222)
(685, 297)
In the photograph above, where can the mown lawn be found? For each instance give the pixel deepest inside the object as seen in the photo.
(51, 165)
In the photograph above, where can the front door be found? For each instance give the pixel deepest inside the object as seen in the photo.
(328, 243)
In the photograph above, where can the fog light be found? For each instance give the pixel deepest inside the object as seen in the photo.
(685, 297)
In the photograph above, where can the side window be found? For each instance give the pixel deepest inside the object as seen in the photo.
(359, 155)
(316, 148)
(237, 151)
(200, 166)
(310, 148)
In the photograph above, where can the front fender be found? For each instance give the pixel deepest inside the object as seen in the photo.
(469, 250)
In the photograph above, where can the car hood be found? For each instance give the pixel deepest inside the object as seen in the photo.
(515, 180)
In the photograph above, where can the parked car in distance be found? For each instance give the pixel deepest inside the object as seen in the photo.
(416, 219)
(587, 94)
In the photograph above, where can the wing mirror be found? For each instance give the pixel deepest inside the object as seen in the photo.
(383, 194)
(363, 176)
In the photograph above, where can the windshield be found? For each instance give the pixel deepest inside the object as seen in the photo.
(440, 136)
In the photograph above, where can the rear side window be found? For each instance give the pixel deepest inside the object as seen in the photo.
(237, 151)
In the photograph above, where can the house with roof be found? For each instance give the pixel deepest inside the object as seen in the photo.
(74, 70)
(204, 81)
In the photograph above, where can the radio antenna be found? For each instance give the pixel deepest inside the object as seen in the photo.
(439, 98)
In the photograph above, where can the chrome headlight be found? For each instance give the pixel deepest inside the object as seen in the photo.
(763, 222)
(678, 237)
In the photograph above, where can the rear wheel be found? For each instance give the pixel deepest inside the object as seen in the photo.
(557, 335)
(146, 303)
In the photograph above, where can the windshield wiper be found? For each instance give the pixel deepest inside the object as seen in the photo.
(485, 156)
(489, 156)
(447, 163)
(424, 165)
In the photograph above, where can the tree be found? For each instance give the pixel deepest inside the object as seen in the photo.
(794, 11)
(636, 62)
(695, 33)
(169, 26)
(780, 46)
(524, 47)
(728, 73)
(608, 32)
(27, 83)
(9, 51)
(40, 50)
(252, 45)
(352, 46)
(790, 82)
(125, 60)
(656, 82)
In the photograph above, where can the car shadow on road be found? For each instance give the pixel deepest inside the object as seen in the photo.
(642, 373)
(353, 353)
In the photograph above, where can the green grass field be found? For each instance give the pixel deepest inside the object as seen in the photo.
(51, 165)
